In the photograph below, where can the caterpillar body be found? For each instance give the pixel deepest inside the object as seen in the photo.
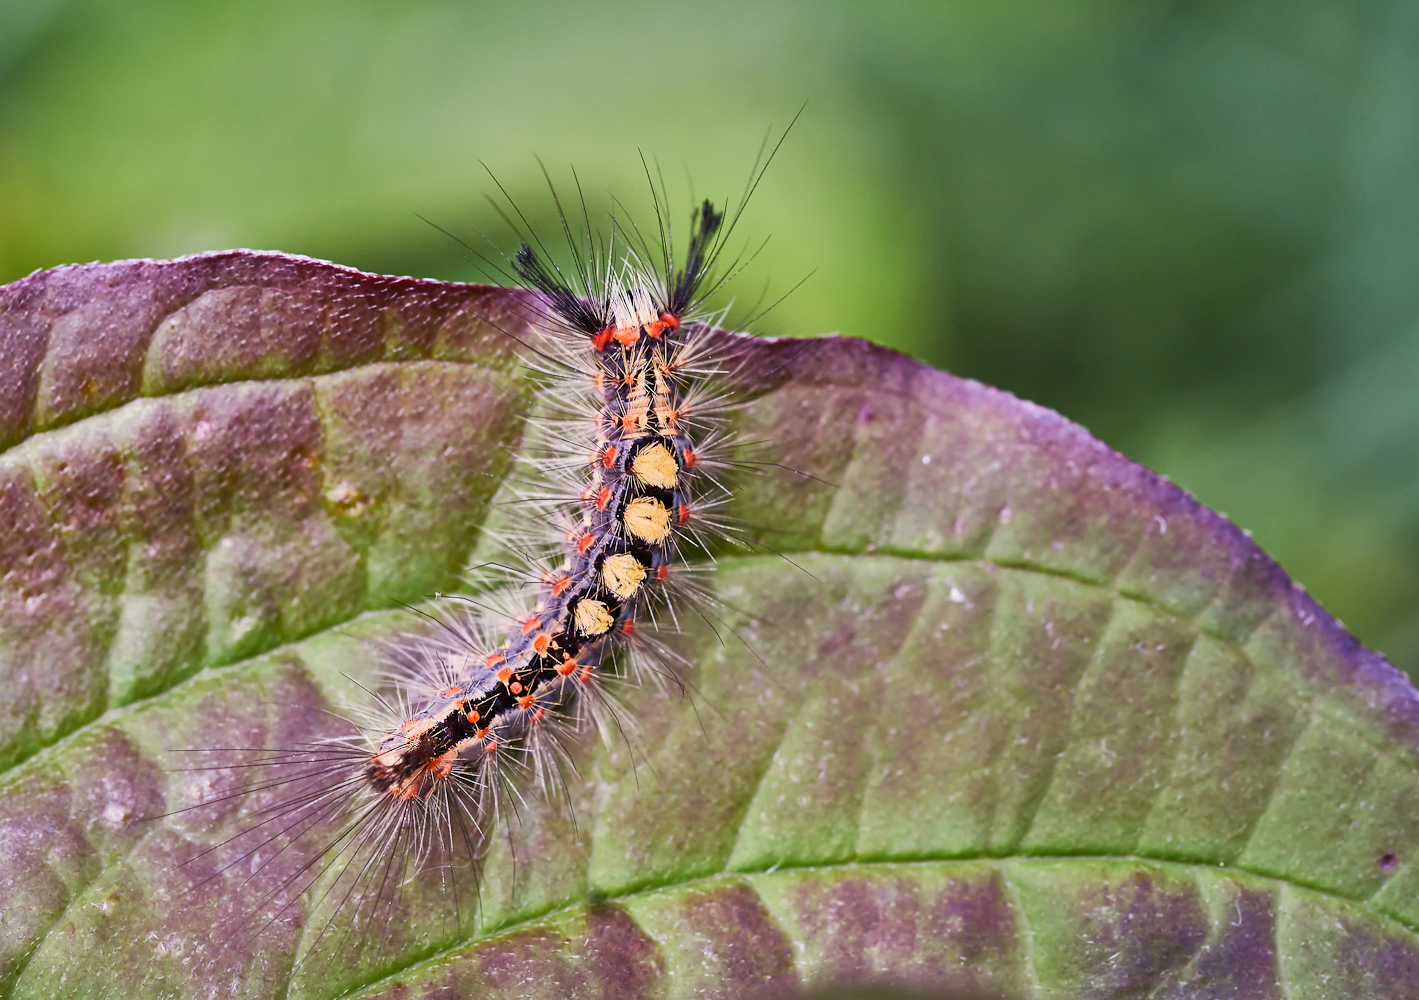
(623, 470)
(628, 489)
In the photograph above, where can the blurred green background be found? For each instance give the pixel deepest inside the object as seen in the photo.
(1193, 227)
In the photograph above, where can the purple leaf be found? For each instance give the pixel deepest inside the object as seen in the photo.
(1010, 713)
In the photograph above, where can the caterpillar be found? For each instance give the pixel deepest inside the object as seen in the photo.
(630, 484)
(623, 471)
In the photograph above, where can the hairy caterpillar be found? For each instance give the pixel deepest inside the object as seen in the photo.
(623, 471)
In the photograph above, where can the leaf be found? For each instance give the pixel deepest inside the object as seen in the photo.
(1010, 714)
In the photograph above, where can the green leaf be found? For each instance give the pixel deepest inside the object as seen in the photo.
(1009, 713)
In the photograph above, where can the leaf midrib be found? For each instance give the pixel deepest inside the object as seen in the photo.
(724, 878)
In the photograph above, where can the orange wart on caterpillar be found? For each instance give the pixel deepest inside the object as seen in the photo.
(621, 471)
